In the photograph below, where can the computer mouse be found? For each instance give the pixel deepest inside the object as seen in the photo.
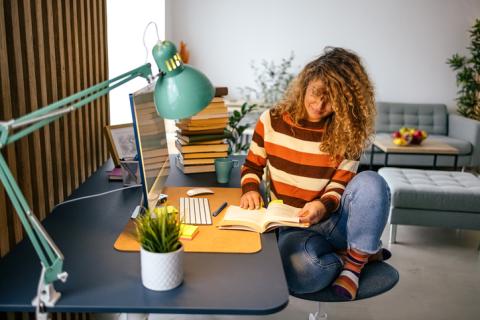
(198, 191)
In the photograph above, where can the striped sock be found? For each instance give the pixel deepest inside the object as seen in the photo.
(381, 255)
(346, 284)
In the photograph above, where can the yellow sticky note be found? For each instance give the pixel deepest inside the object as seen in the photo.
(188, 232)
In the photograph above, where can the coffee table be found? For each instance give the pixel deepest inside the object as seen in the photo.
(430, 146)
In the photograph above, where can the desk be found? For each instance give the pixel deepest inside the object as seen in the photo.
(428, 147)
(102, 279)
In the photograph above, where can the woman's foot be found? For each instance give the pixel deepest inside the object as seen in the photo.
(346, 284)
(381, 255)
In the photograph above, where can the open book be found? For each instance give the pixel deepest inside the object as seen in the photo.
(261, 220)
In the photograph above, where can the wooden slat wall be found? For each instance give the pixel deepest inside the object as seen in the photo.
(50, 49)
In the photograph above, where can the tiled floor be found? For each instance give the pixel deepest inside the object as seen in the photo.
(439, 279)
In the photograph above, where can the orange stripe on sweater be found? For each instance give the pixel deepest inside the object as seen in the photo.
(259, 129)
(286, 189)
(249, 180)
(343, 176)
(258, 160)
(319, 160)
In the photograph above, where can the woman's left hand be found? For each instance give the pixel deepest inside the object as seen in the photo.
(312, 212)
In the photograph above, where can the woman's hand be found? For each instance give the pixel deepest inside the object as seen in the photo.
(251, 200)
(312, 212)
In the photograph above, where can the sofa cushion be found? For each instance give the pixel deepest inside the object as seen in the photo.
(429, 117)
(433, 190)
(464, 147)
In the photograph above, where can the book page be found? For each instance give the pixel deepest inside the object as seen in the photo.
(282, 212)
(236, 217)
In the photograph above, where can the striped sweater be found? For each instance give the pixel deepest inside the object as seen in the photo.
(299, 171)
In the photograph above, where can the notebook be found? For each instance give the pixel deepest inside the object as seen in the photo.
(195, 211)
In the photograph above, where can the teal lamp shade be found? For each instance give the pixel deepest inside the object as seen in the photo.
(182, 91)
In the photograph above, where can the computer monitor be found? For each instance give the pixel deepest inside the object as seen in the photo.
(151, 140)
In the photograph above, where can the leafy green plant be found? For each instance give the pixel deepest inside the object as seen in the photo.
(272, 81)
(159, 231)
(468, 76)
(236, 128)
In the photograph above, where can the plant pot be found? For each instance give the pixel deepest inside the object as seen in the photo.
(161, 271)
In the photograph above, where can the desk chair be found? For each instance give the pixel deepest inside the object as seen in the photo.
(376, 277)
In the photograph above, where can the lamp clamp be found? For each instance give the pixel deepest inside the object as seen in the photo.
(5, 127)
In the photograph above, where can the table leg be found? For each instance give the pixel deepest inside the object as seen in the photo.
(455, 162)
(434, 161)
(385, 163)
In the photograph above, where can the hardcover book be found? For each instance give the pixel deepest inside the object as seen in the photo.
(194, 168)
(201, 147)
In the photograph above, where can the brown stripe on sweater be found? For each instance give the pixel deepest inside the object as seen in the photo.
(337, 190)
(258, 139)
(274, 149)
(291, 201)
(279, 125)
(301, 170)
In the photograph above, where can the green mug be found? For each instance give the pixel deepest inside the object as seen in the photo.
(223, 169)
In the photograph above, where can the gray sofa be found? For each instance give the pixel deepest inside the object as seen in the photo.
(456, 130)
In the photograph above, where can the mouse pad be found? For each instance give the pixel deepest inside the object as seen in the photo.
(209, 238)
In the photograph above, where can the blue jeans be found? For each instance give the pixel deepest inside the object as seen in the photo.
(308, 255)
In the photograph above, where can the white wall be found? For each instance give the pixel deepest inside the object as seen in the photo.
(126, 22)
(404, 44)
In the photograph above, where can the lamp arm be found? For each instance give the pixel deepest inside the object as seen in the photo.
(50, 256)
(45, 115)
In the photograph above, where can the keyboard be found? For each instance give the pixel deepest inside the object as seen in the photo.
(195, 211)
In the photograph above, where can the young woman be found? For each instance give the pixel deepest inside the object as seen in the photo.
(311, 143)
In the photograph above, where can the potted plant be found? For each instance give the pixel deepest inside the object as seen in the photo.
(272, 80)
(161, 252)
(467, 126)
(236, 127)
(468, 76)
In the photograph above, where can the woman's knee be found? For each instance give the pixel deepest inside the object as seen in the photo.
(369, 184)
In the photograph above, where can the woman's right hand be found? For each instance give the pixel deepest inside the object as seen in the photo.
(251, 200)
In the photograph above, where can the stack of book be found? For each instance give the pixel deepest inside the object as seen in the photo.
(201, 138)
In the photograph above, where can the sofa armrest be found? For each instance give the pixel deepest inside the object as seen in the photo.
(466, 129)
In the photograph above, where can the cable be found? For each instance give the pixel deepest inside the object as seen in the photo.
(97, 195)
(144, 33)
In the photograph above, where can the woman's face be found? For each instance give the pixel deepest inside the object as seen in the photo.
(317, 104)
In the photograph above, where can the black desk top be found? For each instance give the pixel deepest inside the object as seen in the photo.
(102, 279)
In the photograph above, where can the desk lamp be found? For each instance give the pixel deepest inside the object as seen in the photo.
(180, 91)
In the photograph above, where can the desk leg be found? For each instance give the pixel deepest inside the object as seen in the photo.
(455, 162)
(434, 161)
(385, 163)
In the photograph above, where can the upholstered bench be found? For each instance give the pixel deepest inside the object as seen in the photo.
(432, 198)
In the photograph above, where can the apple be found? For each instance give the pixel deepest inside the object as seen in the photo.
(407, 137)
(400, 141)
(396, 134)
(417, 137)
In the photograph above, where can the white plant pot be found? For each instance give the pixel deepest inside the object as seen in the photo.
(161, 271)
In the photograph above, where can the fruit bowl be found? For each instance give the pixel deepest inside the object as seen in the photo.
(408, 136)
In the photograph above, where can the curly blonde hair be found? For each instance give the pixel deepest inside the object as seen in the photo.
(350, 127)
